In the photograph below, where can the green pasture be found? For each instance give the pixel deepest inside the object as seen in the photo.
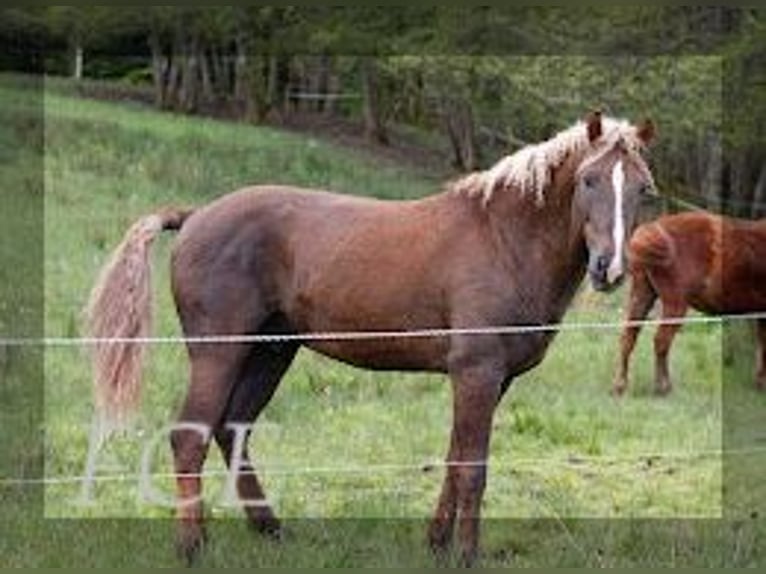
(576, 477)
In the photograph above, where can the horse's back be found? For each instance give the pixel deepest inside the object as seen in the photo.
(744, 265)
(267, 213)
(716, 263)
(327, 262)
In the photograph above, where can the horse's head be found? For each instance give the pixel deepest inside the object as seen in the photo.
(608, 185)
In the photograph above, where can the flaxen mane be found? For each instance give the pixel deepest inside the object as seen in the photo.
(529, 170)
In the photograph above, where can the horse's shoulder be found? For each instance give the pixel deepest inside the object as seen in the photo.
(652, 244)
(648, 232)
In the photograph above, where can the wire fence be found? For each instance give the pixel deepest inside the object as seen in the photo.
(502, 330)
(573, 461)
(427, 466)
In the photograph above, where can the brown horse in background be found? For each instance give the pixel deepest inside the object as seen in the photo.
(507, 246)
(696, 259)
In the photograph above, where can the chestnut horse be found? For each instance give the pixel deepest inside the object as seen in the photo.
(696, 259)
(506, 246)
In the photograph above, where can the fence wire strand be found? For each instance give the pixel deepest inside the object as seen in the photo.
(573, 461)
(424, 467)
(504, 330)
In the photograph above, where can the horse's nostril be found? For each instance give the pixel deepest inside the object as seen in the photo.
(602, 263)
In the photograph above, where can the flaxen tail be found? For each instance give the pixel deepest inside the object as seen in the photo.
(119, 310)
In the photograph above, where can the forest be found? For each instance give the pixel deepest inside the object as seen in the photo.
(484, 81)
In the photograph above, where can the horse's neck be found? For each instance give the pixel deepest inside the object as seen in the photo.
(542, 240)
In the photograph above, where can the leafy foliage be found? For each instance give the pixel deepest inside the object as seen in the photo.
(487, 78)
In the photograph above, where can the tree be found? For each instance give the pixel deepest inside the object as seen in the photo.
(23, 36)
(79, 26)
(463, 72)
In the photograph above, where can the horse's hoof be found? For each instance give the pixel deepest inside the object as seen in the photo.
(468, 559)
(440, 539)
(268, 526)
(190, 544)
(618, 391)
(441, 553)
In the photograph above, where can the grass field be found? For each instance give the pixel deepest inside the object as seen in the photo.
(576, 477)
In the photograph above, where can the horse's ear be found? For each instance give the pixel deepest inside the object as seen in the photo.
(593, 121)
(646, 131)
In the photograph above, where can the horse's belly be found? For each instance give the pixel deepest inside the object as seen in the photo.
(731, 294)
(411, 354)
(382, 305)
(748, 300)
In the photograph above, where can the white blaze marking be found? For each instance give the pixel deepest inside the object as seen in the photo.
(618, 230)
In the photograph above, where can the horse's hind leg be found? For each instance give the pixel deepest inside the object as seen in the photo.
(640, 301)
(674, 308)
(760, 333)
(213, 371)
(259, 379)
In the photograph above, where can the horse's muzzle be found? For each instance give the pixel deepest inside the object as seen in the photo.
(600, 277)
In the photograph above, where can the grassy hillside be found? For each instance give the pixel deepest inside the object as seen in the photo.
(577, 478)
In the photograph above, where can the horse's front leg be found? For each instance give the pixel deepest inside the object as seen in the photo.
(760, 333)
(443, 523)
(640, 301)
(476, 391)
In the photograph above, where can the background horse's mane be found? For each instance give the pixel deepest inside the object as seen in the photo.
(529, 170)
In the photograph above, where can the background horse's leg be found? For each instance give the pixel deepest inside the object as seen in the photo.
(671, 309)
(476, 392)
(760, 333)
(214, 368)
(260, 378)
(641, 299)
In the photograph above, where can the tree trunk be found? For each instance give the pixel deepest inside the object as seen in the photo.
(711, 170)
(283, 78)
(374, 127)
(275, 87)
(304, 104)
(220, 70)
(278, 82)
(759, 195)
(76, 54)
(206, 77)
(459, 124)
(241, 71)
(257, 105)
(314, 102)
(333, 87)
(323, 83)
(79, 58)
(160, 66)
(190, 81)
(172, 86)
(736, 198)
(468, 132)
(174, 75)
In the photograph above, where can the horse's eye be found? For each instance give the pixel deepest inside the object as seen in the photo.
(646, 189)
(589, 181)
